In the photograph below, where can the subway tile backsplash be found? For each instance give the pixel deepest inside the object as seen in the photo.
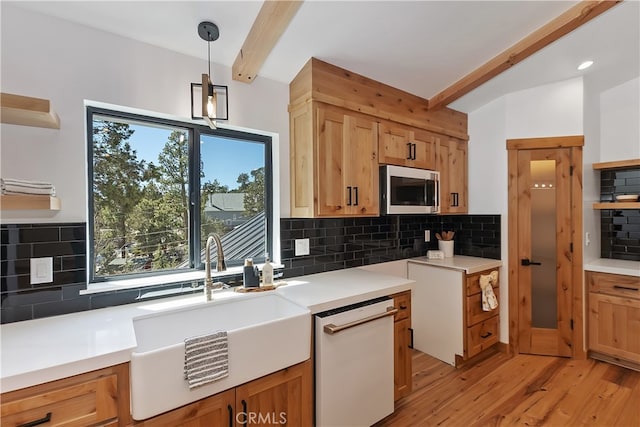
(337, 243)
(334, 244)
(619, 228)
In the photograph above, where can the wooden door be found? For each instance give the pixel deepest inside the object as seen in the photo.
(545, 251)
(452, 164)
(281, 398)
(331, 174)
(361, 166)
(215, 411)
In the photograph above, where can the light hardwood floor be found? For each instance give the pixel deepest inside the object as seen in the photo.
(524, 390)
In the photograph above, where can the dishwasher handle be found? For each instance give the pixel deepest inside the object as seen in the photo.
(333, 329)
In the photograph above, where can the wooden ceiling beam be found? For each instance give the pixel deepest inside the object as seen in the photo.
(272, 20)
(568, 21)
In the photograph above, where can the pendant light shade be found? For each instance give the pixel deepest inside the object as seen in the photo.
(212, 103)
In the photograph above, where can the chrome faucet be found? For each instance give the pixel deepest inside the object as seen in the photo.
(209, 286)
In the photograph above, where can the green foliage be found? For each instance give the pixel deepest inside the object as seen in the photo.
(254, 191)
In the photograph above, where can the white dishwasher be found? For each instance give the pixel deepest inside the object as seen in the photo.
(354, 364)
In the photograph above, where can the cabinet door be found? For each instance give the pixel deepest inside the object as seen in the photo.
(452, 162)
(404, 146)
(330, 182)
(281, 398)
(402, 359)
(361, 166)
(614, 326)
(214, 411)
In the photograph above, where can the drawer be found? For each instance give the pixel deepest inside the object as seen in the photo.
(614, 284)
(482, 336)
(472, 283)
(402, 302)
(85, 403)
(474, 310)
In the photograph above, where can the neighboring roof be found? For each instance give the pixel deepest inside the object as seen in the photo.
(244, 241)
(226, 202)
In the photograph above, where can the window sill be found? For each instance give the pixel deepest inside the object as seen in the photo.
(165, 279)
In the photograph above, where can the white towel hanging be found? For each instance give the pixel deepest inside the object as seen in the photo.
(489, 300)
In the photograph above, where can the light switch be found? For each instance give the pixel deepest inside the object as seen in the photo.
(302, 247)
(41, 270)
(427, 235)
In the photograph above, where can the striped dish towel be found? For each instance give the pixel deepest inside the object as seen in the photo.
(206, 359)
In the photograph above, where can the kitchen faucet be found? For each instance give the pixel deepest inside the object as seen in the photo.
(209, 286)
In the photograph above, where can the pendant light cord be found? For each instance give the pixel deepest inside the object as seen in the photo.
(209, 55)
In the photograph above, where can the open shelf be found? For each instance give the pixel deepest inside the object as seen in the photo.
(617, 164)
(28, 111)
(616, 205)
(27, 201)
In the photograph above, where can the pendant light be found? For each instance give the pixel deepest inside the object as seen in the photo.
(213, 97)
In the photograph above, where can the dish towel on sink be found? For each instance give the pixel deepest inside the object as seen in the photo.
(206, 359)
(489, 300)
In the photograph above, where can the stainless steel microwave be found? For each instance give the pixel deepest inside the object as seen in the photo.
(405, 190)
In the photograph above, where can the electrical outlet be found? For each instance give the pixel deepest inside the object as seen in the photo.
(41, 270)
(302, 247)
(427, 235)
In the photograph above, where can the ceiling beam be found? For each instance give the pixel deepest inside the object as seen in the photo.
(272, 20)
(568, 21)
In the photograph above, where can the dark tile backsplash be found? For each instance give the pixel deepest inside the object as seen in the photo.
(352, 242)
(334, 244)
(619, 228)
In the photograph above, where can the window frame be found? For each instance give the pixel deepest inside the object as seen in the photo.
(195, 131)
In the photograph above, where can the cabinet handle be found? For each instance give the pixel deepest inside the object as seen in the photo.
(627, 288)
(244, 412)
(409, 157)
(403, 307)
(410, 337)
(413, 156)
(487, 335)
(355, 190)
(454, 199)
(230, 409)
(42, 420)
(349, 197)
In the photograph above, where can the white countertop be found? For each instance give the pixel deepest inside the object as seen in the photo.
(42, 350)
(326, 291)
(614, 266)
(467, 264)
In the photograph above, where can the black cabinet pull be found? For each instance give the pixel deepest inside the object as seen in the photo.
(527, 262)
(487, 335)
(410, 337)
(42, 420)
(244, 412)
(403, 307)
(230, 409)
(355, 190)
(409, 157)
(454, 199)
(349, 199)
(627, 288)
(413, 156)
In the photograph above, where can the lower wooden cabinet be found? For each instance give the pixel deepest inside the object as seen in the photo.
(281, 398)
(402, 375)
(614, 318)
(482, 327)
(97, 398)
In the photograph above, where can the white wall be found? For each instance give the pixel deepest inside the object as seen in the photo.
(68, 63)
(620, 122)
(550, 110)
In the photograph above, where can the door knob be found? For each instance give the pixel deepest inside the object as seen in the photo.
(527, 262)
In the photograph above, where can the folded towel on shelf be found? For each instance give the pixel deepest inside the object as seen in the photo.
(489, 300)
(20, 186)
(206, 359)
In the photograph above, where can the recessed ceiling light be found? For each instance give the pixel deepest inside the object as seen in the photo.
(585, 65)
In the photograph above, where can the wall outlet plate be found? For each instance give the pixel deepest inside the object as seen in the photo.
(302, 247)
(41, 270)
(427, 235)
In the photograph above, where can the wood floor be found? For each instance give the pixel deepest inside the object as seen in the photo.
(524, 390)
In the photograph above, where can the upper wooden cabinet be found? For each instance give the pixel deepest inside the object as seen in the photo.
(334, 164)
(452, 164)
(405, 146)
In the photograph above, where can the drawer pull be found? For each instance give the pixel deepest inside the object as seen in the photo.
(627, 288)
(42, 420)
(404, 307)
(487, 335)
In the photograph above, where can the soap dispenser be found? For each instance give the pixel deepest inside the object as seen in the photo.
(267, 273)
(250, 275)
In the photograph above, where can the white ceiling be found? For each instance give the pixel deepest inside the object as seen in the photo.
(418, 46)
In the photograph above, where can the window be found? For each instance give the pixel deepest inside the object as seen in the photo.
(145, 216)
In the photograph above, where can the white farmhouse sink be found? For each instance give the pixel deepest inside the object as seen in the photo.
(265, 332)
